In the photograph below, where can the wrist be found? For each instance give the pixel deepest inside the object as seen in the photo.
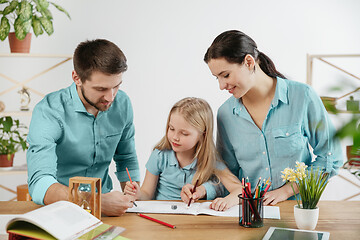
(203, 191)
(291, 189)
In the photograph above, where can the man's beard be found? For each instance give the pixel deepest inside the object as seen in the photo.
(97, 105)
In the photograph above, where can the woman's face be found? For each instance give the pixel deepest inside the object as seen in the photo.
(236, 78)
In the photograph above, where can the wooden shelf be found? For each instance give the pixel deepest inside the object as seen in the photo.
(36, 55)
(16, 113)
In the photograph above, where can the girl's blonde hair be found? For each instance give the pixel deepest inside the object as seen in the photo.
(197, 112)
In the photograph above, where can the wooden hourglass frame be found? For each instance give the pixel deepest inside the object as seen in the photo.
(95, 200)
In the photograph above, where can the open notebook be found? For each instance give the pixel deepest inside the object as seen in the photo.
(167, 207)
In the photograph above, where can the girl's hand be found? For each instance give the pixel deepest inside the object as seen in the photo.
(132, 189)
(220, 204)
(186, 194)
(278, 195)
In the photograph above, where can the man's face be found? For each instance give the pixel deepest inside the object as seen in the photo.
(100, 90)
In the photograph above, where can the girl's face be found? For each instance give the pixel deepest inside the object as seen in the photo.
(182, 136)
(236, 78)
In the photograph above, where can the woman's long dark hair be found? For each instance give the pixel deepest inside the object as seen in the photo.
(234, 45)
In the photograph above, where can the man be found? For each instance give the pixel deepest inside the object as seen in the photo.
(76, 131)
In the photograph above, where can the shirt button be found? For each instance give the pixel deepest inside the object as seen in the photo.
(264, 153)
(287, 134)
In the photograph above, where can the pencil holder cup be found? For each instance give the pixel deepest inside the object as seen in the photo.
(251, 212)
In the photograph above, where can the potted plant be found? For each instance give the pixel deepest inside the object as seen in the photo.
(24, 15)
(311, 184)
(12, 139)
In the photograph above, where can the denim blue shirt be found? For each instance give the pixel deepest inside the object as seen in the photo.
(172, 177)
(66, 141)
(296, 119)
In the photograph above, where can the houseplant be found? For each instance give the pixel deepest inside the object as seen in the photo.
(24, 15)
(311, 184)
(12, 139)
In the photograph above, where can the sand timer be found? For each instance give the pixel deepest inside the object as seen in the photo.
(86, 192)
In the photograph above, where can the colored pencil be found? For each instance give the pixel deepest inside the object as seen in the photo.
(194, 189)
(131, 183)
(156, 220)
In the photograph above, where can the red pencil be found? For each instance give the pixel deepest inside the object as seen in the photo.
(194, 189)
(158, 221)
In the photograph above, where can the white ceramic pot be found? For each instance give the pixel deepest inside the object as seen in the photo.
(306, 218)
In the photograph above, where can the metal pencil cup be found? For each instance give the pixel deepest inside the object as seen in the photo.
(251, 212)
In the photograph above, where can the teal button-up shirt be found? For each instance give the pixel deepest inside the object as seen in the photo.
(66, 141)
(296, 120)
(172, 177)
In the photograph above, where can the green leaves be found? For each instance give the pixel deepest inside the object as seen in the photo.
(11, 138)
(25, 12)
(36, 25)
(61, 9)
(13, 5)
(4, 28)
(28, 14)
(310, 183)
(312, 187)
(21, 28)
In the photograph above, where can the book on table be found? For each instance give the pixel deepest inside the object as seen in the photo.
(60, 220)
(168, 207)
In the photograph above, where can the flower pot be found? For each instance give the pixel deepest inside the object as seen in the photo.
(306, 219)
(19, 46)
(5, 162)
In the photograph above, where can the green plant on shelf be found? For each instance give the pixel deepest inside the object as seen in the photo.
(12, 138)
(26, 14)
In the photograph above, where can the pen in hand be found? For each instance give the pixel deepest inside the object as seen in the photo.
(131, 183)
(194, 189)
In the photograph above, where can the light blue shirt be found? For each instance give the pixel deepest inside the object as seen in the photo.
(172, 177)
(296, 118)
(66, 141)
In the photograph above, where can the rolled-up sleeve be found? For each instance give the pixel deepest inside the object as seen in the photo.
(321, 134)
(41, 156)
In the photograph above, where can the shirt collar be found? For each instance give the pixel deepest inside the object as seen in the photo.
(281, 94)
(174, 162)
(78, 105)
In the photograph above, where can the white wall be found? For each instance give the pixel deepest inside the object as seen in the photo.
(165, 41)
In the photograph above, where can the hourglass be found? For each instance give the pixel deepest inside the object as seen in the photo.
(86, 192)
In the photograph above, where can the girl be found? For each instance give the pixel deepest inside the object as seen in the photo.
(269, 122)
(184, 156)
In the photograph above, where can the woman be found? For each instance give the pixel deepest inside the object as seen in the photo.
(270, 122)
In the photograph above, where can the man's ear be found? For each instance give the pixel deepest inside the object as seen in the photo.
(76, 78)
(249, 61)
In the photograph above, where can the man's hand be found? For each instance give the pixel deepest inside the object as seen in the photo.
(115, 203)
(186, 194)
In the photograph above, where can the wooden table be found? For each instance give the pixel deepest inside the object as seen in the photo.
(340, 218)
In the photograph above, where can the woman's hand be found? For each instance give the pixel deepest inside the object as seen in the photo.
(221, 204)
(278, 195)
(132, 189)
(186, 193)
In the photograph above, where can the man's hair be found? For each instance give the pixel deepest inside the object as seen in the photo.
(98, 55)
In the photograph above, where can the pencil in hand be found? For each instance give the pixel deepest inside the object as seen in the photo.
(194, 189)
(131, 183)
